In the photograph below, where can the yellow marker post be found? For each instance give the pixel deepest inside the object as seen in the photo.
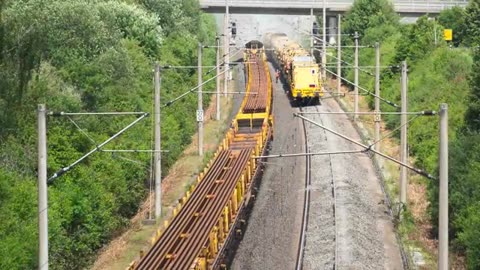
(447, 34)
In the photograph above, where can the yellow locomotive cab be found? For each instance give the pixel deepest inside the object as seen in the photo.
(305, 78)
(298, 67)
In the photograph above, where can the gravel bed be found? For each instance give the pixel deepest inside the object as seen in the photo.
(319, 252)
(359, 208)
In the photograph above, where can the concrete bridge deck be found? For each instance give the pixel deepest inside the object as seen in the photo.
(407, 8)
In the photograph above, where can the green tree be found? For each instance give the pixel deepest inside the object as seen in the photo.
(454, 19)
(418, 41)
(470, 235)
(365, 14)
(86, 56)
(471, 30)
(472, 38)
(472, 117)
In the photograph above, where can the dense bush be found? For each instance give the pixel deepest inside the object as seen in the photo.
(86, 55)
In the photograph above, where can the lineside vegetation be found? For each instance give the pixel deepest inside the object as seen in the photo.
(88, 56)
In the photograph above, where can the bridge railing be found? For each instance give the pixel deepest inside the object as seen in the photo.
(420, 6)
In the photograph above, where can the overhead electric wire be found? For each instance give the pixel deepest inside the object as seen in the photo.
(350, 65)
(393, 131)
(139, 163)
(93, 113)
(369, 148)
(334, 66)
(367, 91)
(310, 154)
(183, 67)
(132, 151)
(429, 112)
(97, 148)
(192, 90)
(82, 131)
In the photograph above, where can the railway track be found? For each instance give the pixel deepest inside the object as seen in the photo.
(256, 102)
(328, 216)
(306, 201)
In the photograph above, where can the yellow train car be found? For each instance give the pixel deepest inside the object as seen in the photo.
(297, 66)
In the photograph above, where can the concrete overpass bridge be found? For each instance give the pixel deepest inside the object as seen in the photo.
(406, 8)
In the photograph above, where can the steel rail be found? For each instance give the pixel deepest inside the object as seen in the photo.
(198, 205)
(189, 248)
(243, 204)
(306, 202)
(334, 208)
(188, 210)
(178, 223)
(185, 246)
(216, 208)
(258, 82)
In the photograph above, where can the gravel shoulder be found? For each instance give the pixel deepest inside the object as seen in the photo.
(361, 224)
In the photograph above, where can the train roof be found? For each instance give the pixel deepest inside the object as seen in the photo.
(254, 44)
(303, 59)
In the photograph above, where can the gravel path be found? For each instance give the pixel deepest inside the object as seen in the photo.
(360, 223)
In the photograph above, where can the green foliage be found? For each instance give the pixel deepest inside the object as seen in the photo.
(464, 183)
(472, 117)
(447, 73)
(88, 55)
(17, 234)
(465, 166)
(365, 14)
(469, 237)
(471, 30)
(419, 40)
(176, 14)
(454, 19)
(134, 23)
(375, 21)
